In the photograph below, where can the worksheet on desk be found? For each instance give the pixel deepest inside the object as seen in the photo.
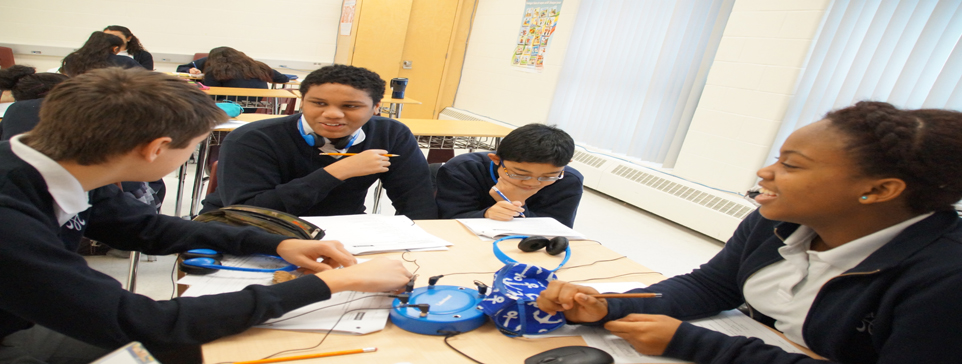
(352, 312)
(320, 316)
(366, 234)
(732, 323)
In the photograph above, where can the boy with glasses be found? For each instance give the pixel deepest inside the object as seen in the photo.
(527, 177)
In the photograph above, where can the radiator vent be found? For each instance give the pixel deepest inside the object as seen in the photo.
(722, 204)
(450, 113)
(588, 159)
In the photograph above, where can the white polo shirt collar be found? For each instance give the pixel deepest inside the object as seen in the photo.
(68, 195)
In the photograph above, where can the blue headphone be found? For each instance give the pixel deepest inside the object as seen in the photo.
(207, 261)
(553, 246)
(491, 170)
(309, 138)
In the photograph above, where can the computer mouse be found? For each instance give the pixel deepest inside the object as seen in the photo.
(571, 355)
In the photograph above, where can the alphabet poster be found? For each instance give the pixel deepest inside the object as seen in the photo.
(537, 25)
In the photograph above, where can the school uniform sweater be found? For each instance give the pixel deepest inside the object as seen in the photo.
(899, 305)
(464, 183)
(268, 164)
(198, 64)
(145, 59)
(46, 282)
(125, 62)
(20, 117)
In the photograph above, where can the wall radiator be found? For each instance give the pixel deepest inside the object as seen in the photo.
(706, 210)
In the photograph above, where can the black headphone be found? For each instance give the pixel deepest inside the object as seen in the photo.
(554, 246)
(531, 243)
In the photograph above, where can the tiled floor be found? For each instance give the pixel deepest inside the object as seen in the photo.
(645, 238)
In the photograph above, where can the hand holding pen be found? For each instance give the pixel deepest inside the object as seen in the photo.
(368, 162)
(503, 210)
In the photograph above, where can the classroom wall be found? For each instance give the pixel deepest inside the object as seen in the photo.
(751, 80)
(490, 86)
(295, 30)
(750, 83)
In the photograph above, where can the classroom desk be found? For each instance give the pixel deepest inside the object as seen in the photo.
(394, 106)
(486, 344)
(468, 254)
(248, 93)
(464, 134)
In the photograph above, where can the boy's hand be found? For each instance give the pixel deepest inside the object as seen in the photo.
(574, 301)
(194, 71)
(503, 211)
(512, 192)
(376, 275)
(370, 161)
(649, 334)
(304, 254)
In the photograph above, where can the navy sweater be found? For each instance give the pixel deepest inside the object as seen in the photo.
(267, 163)
(46, 282)
(899, 305)
(20, 117)
(198, 64)
(464, 182)
(145, 59)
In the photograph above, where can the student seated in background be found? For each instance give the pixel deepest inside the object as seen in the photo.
(530, 168)
(854, 253)
(276, 163)
(54, 307)
(228, 67)
(28, 89)
(99, 51)
(132, 46)
(194, 67)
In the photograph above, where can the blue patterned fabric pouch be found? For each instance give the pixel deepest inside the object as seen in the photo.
(512, 305)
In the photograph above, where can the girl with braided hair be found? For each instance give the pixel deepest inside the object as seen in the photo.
(854, 253)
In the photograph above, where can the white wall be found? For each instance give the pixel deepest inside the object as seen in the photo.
(490, 86)
(752, 79)
(294, 30)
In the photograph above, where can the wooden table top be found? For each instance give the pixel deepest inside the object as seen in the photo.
(468, 254)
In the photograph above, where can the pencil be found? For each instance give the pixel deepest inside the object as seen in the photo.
(505, 198)
(309, 356)
(386, 155)
(626, 295)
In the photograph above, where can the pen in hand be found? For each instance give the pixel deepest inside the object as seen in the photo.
(505, 198)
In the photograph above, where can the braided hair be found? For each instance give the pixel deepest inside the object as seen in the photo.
(921, 147)
(26, 84)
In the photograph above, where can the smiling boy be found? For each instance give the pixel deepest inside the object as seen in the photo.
(529, 169)
(277, 163)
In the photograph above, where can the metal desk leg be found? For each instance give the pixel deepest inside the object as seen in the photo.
(394, 112)
(132, 272)
(199, 175)
(181, 179)
(377, 198)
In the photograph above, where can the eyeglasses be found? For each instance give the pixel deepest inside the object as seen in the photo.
(522, 177)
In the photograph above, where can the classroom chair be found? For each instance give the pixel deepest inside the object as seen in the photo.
(6, 57)
(199, 56)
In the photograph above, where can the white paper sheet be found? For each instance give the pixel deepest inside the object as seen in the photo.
(732, 323)
(319, 316)
(543, 226)
(366, 234)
